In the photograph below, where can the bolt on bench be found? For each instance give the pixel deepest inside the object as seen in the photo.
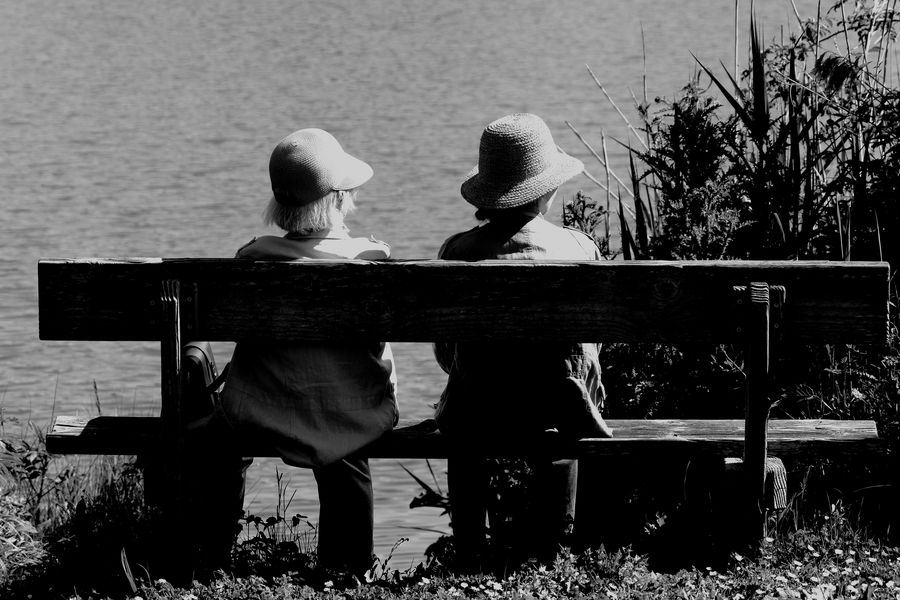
(767, 307)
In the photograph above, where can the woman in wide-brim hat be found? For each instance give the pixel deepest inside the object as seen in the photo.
(517, 388)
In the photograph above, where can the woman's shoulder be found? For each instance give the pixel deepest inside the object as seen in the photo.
(586, 242)
(270, 247)
(371, 248)
(258, 248)
(568, 242)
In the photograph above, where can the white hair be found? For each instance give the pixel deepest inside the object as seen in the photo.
(327, 212)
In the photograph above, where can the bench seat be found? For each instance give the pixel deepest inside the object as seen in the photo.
(787, 438)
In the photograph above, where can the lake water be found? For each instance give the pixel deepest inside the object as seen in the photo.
(144, 129)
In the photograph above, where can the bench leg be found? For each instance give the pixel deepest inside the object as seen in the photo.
(468, 483)
(177, 567)
(757, 409)
(731, 493)
(603, 486)
(170, 555)
(198, 540)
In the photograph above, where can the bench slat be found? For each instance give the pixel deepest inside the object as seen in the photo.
(428, 301)
(652, 438)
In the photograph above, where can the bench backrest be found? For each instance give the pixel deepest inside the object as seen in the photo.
(431, 300)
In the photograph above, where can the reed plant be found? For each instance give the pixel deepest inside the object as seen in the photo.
(793, 158)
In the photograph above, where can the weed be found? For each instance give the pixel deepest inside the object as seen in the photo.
(276, 544)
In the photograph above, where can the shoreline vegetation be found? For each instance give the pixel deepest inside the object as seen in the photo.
(795, 157)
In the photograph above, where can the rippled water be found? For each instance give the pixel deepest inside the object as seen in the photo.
(144, 129)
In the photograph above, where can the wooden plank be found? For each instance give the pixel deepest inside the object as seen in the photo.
(426, 301)
(787, 439)
(103, 435)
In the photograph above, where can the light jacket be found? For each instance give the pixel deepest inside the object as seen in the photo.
(314, 402)
(496, 388)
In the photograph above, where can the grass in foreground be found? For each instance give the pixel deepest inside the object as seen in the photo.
(831, 558)
(806, 565)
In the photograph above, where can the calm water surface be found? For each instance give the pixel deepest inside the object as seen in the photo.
(144, 129)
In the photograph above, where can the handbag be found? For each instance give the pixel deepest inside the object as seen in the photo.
(201, 381)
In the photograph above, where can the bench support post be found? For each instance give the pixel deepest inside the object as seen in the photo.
(177, 562)
(757, 406)
(762, 323)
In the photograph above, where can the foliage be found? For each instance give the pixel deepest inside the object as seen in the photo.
(795, 158)
(583, 213)
(19, 546)
(45, 486)
(803, 164)
(701, 210)
(83, 550)
(276, 544)
(655, 381)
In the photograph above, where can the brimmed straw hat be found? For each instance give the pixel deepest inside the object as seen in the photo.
(518, 162)
(308, 164)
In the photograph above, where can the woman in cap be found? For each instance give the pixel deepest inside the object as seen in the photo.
(317, 404)
(521, 388)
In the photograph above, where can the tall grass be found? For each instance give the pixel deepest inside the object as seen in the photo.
(71, 517)
(795, 157)
(49, 487)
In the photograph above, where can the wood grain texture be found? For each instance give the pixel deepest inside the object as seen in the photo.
(642, 438)
(425, 301)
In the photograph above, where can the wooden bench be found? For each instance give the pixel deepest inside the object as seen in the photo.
(765, 306)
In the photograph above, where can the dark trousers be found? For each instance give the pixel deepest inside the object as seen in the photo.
(346, 516)
(216, 480)
(535, 529)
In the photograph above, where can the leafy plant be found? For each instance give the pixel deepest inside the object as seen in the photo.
(276, 544)
(583, 213)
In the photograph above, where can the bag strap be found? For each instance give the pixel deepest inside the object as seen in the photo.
(218, 381)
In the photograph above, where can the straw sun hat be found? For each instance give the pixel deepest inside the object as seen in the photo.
(518, 162)
(310, 163)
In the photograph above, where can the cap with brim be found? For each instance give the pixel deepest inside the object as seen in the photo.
(309, 164)
(518, 162)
